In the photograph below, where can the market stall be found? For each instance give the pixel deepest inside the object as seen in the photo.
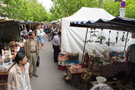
(118, 23)
(9, 31)
(109, 63)
(6, 64)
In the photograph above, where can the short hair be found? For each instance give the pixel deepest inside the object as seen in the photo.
(101, 87)
(12, 44)
(59, 33)
(30, 34)
(19, 57)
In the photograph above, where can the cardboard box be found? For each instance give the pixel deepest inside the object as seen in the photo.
(62, 63)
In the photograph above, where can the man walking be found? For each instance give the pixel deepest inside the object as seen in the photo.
(56, 46)
(31, 50)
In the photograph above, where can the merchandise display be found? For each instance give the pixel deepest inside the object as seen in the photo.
(6, 60)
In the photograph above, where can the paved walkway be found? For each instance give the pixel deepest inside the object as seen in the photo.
(50, 78)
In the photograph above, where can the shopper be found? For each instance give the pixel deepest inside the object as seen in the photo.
(42, 39)
(56, 46)
(49, 33)
(38, 32)
(18, 77)
(38, 59)
(25, 33)
(15, 48)
(31, 50)
(130, 73)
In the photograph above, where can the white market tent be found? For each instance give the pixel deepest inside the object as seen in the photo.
(73, 37)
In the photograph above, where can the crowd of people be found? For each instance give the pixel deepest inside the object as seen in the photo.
(27, 58)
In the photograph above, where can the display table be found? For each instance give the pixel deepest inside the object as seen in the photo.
(109, 70)
(75, 72)
(3, 77)
(5, 72)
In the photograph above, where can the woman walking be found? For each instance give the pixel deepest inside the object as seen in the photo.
(42, 39)
(18, 78)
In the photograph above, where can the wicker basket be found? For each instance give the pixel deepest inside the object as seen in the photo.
(86, 79)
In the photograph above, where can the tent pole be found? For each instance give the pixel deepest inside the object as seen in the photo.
(84, 45)
(126, 42)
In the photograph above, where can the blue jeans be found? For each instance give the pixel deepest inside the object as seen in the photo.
(130, 73)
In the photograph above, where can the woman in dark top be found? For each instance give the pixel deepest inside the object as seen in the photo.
(15, 48)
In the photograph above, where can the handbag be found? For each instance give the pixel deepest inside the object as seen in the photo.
(37, 64)
(38, 59)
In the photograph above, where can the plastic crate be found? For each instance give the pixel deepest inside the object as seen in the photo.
(63, 68)
(62, 63)
(75, 62)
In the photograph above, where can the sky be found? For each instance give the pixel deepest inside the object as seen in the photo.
(46, 3)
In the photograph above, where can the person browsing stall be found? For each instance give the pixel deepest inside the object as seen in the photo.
(18, 77)
(56, 46)
(15, 48)
(130, 60)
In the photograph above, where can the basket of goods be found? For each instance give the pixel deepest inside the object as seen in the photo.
(65, 74)
(67, 78)
(86, 76)
(101, 79)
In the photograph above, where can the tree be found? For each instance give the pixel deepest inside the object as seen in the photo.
(26, 10)
(65, 8)
(111, 7)
(100, 4)
(130, 9)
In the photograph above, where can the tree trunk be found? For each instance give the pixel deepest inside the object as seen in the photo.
(100, 4)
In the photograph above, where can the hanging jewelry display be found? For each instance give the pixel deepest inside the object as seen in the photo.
(101, 37)
(117, 36)
(123, 36)
(94, 35)
(90, 39)
(108, 43)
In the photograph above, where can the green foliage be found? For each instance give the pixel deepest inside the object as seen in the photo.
(65, 8)
(111, 7)
(34, 11)
(130, 8)
(26, 10)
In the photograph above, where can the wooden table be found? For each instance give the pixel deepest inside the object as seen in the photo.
(6, 72)
(73, 72)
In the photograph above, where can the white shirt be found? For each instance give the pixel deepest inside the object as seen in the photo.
(56, 40)
(54, 29)
(24, 81)
(41, 30)
(38, 32)
(18, 49)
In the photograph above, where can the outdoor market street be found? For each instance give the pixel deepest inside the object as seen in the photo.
(50, 78)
